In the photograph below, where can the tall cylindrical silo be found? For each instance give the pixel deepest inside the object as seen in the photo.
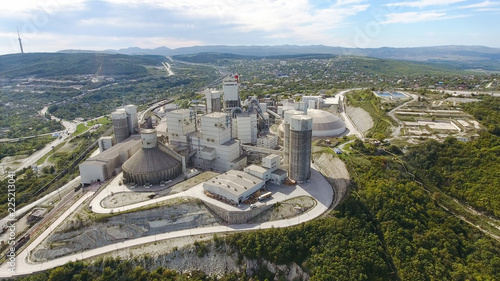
(133, 122)
(120, 125)
(287, 115)
(299, 168)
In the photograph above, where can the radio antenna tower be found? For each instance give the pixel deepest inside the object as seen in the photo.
(20, 44)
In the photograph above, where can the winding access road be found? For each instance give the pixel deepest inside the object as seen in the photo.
(318, 188)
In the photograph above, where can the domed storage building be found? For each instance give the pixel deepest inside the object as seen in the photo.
(151, 164)
(325, 124)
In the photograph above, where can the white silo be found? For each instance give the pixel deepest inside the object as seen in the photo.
(300, 148)
(133, 122)
(120, 125)
(287, 118)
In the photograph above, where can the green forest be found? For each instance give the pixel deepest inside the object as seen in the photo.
(388, 229)
(62, 64)
(24, 147)
(468, 171)
(31, 186)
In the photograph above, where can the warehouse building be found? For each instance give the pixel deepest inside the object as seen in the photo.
(233, 186)
(108, 163)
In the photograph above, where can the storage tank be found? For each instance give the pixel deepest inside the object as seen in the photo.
(120, 125)
(300, 148)
(287, 115)
(132, 120)
(149, 138)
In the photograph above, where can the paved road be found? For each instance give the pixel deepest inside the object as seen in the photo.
(33, 158)
(318, 188)
(391, 113)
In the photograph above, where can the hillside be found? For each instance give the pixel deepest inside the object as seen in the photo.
(463, 57)
(60, 64)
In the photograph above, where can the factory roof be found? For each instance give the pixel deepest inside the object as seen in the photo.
(257, 168)
(325, 121)
(115, 150)
(235, 182)
(279, 172)
(208, 149)
(332, 100)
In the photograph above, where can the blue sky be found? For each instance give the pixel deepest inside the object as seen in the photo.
(52, 25)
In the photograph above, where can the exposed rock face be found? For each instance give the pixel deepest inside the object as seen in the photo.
(74, 237)
(218, 260)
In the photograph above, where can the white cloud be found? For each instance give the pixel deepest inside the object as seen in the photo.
(293, 19)
(121, 22)
(27, 7)
(412, 17)
(425, 3)
(485, 4)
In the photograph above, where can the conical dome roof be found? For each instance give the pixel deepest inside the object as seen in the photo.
(151, 164)
(148, 161)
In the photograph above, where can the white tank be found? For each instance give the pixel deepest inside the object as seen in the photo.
(132, 120)
(120, 125)
(149, 138)
(287, 115)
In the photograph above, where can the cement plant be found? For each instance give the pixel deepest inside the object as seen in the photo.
(261, 168)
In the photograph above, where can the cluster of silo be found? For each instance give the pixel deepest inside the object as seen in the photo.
(297, 141)
(125, 122)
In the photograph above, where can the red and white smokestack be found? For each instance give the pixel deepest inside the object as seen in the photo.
(236, 76)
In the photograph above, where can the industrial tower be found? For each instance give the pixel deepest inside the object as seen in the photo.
(20, 43)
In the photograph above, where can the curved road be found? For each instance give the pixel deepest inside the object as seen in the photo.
(397, 131)
(319, 188)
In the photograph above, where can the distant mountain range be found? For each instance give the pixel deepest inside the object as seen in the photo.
(461, 57)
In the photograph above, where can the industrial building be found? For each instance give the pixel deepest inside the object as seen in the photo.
(233, 186)
(153, 163)
(213, 141)
(269, 170)
(213, 100)
(108, 163)
(231, 96)
(268, 141)
(325, 124)
(105, 143)
(180, 123)
(247, 128)
(213, 146)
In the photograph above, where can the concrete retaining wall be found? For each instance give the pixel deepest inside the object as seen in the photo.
(235, 217)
